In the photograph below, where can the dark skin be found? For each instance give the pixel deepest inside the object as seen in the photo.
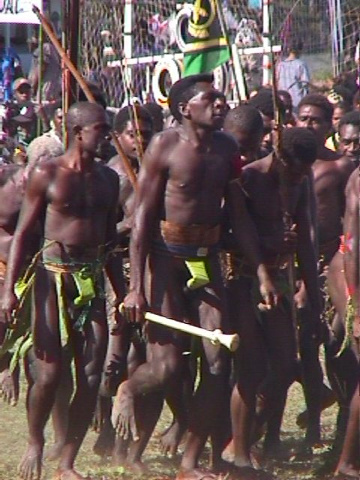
(348, 462)
(119, 339)
(331, 173)
(183, 179)
(11, 194)
(349, 142)
(75, 200)
(266, 212)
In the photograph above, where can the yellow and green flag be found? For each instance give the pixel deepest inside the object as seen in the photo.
(206, 45)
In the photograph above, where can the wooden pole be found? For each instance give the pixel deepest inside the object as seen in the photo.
(83, 85)
(74, 17)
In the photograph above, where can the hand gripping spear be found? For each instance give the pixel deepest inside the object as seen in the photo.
(83, 85)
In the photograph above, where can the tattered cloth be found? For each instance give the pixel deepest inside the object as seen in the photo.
(87, 278)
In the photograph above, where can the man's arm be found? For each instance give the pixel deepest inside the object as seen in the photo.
(351, 233)
(33, 208)
(247, 238)
(113, 266)
(148, 200)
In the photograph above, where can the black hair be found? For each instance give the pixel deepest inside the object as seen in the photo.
(350, 118)
(318, 100)
(299, 143)
(184, 89)
(286, 94)
(97, 93)
(263, 101)
(124, 115)
(245, 117)
(157, 115)
(82, 114)
(296, 46)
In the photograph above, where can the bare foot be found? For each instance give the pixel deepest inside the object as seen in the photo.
(228, 453)
(105, 442)
(69, 475)
(9, 386)
(31, 463)
(123, 414)
(53, 453)
(137, 467)
(346, 472)
(171, 439)
(196, 474)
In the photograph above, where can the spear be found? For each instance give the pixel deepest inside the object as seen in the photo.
(285, 200)
(83, 85)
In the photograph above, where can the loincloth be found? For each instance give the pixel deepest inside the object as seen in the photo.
(192, 243)
(87, 278)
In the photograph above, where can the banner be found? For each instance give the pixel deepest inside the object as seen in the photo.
(206, 46)
(19, 11)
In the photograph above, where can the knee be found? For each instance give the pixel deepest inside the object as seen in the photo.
(166, 369)
(219, 366)
(48, 378)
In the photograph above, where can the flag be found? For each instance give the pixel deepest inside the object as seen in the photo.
(206, 45)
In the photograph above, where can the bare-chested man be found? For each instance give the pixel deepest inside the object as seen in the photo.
(75, 200)
(117, 360)
(12, 185)
(331, 173)
(271, 339)
(348, 465)
(182, 184)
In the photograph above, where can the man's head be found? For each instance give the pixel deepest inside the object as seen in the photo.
(86, 126)
(264, 103)
(195, 99)
(246, 125)
(295, 47)
(57, 118)
(126, 131)
(157, 115)
(22, 90)
(315, 113)
(349, 135)
(298, 153)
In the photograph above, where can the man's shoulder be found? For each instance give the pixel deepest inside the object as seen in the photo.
(352, 186)
(259, 166)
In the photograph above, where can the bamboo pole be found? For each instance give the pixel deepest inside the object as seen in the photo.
(83, 85)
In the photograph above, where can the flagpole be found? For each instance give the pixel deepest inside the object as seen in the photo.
(227, 39)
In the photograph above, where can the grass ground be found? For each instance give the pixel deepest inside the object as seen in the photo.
(13, 433)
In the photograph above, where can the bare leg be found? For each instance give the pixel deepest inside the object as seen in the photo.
(350, 452)
(60, 410)
(209, 401)
(90, 350)
(250, 368)
(41, 395)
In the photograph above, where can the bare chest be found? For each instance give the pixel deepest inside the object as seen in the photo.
(79, 194)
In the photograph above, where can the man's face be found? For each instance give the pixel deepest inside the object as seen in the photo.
(249, 142)
(127, 138)
(23, 93)
(267, 139)
(313, 118)
(349, 144)
(337, 116)
(58, 120)
(95, 133)
(208, 107)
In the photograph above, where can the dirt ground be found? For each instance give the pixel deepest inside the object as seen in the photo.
(13, 440)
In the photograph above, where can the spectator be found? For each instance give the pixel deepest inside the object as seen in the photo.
(10, 69)
(51, 72)
(293, 75)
